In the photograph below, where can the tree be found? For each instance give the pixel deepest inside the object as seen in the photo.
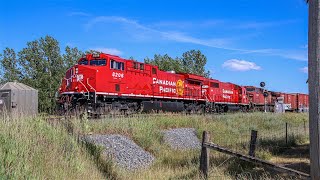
(40, 65)
(92, 52)
(71, 56)
(42, 68)
(9, 65)
(194, 62)
(165, 62)
(314, 86)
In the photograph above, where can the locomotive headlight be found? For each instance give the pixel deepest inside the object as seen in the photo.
(76, 70)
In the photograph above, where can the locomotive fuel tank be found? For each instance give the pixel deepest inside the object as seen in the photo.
(149, 106)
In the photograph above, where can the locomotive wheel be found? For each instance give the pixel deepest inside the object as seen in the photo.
(225, 109)
(140, 108)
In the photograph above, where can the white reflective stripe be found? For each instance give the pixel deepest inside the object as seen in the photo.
(137, 95)
(167, 97)
(104, 93)
(70, 92)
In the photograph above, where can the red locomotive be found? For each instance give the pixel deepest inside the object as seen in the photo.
(104, 83)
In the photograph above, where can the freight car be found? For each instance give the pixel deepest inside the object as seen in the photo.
(293, 102)
(107, 84)
(296, 102)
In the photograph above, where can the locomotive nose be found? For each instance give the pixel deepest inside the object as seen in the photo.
(83, 78)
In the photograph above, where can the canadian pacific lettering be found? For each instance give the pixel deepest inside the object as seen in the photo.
(227, 91)
(162, 83)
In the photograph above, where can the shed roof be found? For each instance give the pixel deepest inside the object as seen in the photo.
(15, 86)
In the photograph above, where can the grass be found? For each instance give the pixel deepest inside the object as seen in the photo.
(32, 148)
(230, 130)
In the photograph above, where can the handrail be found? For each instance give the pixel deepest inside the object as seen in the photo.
(84, 86)
(95, 99)
(67, 79)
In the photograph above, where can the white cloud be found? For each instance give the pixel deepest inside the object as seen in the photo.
(111, 51)
(304, 70)
(174, 36)
(108, 19)
(240, 65)
(223, 23)
(144, 32)
(180, 37)
(300, 55)
(188, 24)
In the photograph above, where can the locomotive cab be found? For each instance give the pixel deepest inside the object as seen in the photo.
(82, 77)
(91, 80)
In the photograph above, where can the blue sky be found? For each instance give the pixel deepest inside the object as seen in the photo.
(245, 41)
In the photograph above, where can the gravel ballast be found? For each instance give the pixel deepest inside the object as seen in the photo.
(182, 138)
(124, 152)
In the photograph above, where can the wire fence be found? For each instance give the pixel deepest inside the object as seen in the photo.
(286, 145)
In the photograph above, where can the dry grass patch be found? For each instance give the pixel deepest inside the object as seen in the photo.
(229, 130)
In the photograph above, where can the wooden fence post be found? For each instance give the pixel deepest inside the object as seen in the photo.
(204, 157)
(305, 128)
(286, 134)
(314, 86)
(253, 142)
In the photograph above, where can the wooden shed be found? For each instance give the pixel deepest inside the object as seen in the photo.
(18, 98)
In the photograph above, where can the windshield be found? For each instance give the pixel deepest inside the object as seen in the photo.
(250, 89)
(98, 62)
(83, 62)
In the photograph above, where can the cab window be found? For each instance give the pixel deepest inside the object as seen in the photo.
(197, 83)
(135, 65)
(116, 65)
(250, 89)
(141, 66)
(83, 62)
(154, 71)
(98, 62)
(214, 85)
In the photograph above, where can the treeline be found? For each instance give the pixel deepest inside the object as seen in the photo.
(42, 65)
(192, 61)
